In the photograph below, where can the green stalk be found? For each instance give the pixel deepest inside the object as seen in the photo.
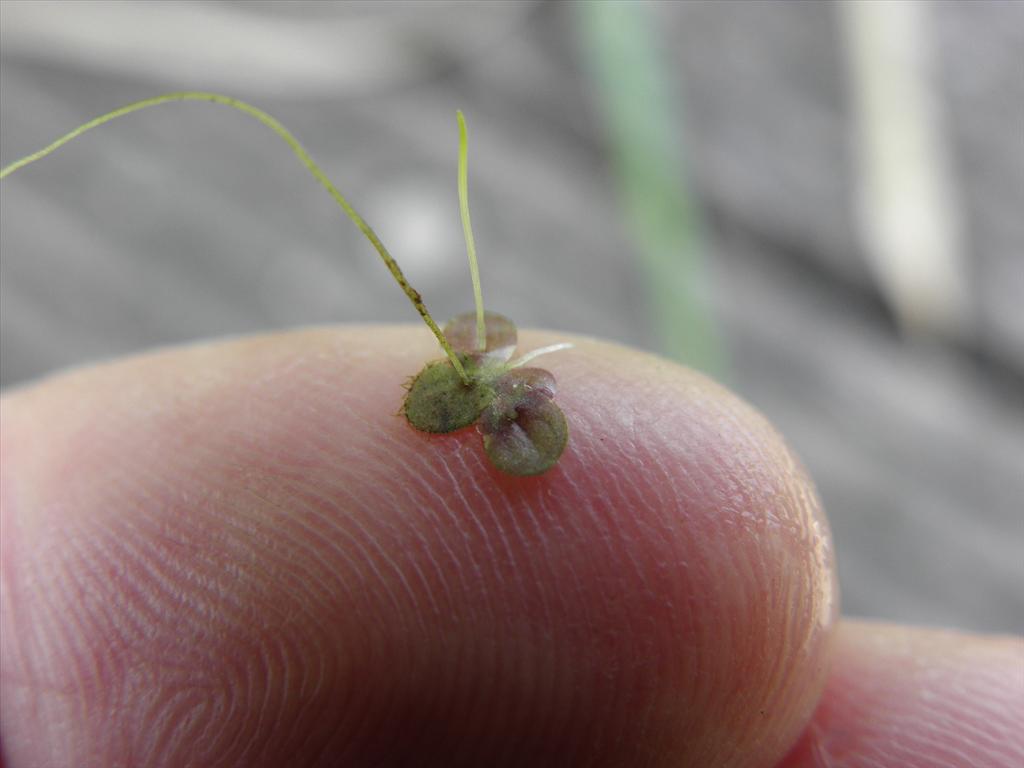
(467, 229)
(304, 158)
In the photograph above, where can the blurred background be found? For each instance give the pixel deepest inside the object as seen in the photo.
(820, 204)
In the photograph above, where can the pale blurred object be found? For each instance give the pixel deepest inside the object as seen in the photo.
(227, 46)
(640, 108)
(908, 212)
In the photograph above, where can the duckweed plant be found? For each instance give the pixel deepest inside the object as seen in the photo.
(524, 432)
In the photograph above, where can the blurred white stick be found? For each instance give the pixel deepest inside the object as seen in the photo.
(910, 221)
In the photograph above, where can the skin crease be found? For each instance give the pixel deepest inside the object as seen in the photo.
(238, 554)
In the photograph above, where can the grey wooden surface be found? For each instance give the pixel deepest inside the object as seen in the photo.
(190, 221)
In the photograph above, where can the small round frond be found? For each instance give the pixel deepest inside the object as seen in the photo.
(439, 401)
(501, 335)
(524, 431)
(527, 439)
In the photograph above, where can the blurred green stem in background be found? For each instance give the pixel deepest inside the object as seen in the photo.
(636, 100)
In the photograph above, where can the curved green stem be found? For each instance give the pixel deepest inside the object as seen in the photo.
(304, 158)
(467, 229)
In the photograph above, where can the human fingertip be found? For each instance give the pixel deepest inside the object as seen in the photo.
(244, 539)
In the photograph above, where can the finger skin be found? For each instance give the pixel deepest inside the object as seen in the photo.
(918, 698)
(238, 554)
